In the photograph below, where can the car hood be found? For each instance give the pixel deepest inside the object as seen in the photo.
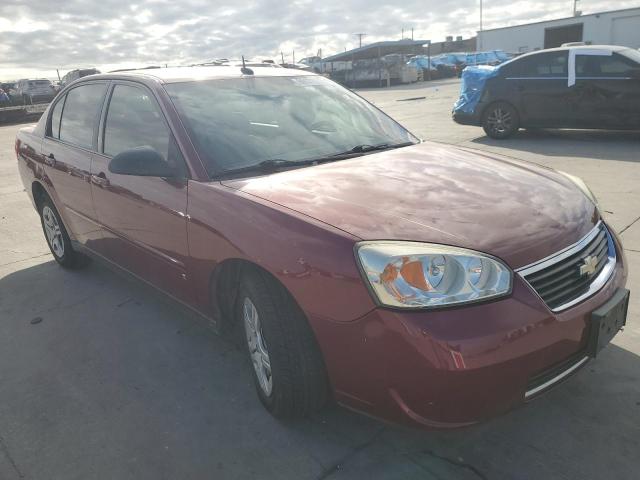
(514, 210)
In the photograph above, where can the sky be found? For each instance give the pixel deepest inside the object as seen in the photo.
(39, 36)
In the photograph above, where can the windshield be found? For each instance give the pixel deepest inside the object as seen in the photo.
(239, 122)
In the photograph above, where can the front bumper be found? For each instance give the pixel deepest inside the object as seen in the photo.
(459, 366)
(464, 118)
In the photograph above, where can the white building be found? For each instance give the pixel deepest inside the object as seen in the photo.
(617, 27)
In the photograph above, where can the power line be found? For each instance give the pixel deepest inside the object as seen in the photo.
(360, 35)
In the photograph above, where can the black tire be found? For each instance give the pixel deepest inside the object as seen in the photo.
(61, 248)
(500, 120)
(298, 376)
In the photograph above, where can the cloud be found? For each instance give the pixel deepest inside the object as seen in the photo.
(40, 36)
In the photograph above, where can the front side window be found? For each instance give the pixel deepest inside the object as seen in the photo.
(80, 114)
(239, 122)
(135, 120)
(551, 64)
(603, 66)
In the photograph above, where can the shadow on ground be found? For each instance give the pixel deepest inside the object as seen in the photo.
(102, 378)
(596, 144)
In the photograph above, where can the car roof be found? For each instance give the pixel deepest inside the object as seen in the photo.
(613, 48)
(188, 74)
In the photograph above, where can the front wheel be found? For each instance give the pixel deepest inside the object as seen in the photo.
(288, 369)
(500, 120)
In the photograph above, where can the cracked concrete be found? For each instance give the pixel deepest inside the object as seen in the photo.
(339, 464)
(118, 382)
(458, 462)
(6, 457)
(629, 226)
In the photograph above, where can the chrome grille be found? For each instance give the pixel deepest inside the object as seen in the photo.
(575, 273)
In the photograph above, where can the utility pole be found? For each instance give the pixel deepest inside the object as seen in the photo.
(402, 34)
(575, 8)
(480, 32)
(282, 56)
(412, 34)
(360, 35)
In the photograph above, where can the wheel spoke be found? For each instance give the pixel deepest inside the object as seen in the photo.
(266, 363)
(52, 231)
(257, 346)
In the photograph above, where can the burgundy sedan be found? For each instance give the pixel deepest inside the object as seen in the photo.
(419, 283)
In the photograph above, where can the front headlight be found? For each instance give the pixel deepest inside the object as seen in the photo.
(418, 275)
(582, 186)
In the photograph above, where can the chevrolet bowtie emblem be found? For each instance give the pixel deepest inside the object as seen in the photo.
(589, 266)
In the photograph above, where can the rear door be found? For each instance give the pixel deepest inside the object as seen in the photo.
(68, 146)
(607, 91)
(144, 217)
(540, 85)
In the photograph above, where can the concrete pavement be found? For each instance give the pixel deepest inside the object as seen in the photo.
(101, 377)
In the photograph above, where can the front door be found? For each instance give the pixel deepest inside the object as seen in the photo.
(144, 217)
(67, 150)
(541, 84)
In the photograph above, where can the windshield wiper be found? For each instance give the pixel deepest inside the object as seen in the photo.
(276, 164)
(364, 148)
(267, 166)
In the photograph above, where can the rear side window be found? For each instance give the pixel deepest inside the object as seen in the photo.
(56, 115)
(551, 64)
(135, 120)
(603, 66)
(80, 114)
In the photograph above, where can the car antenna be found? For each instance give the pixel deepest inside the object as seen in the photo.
(244, 69)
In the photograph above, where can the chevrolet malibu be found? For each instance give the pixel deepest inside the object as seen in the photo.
(419, 283)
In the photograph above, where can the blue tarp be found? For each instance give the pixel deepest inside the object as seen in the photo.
(420, 61)
(452, 59)
(472, 86)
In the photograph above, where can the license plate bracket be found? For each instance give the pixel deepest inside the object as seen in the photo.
(607, 320)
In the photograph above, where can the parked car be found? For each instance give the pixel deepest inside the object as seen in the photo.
(420, 283)
(35, 91)
(76, 74)
(594, 87)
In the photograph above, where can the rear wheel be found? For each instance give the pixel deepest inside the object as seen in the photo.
(288, 369)
(58, 238)
(500, 120)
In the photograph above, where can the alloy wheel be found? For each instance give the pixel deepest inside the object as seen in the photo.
(500, 121)
(52, 231)
(257, 346)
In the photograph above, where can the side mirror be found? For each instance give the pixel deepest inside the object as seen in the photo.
(141, 161)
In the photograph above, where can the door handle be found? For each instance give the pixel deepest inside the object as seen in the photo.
(100, 179)
(50, 160)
